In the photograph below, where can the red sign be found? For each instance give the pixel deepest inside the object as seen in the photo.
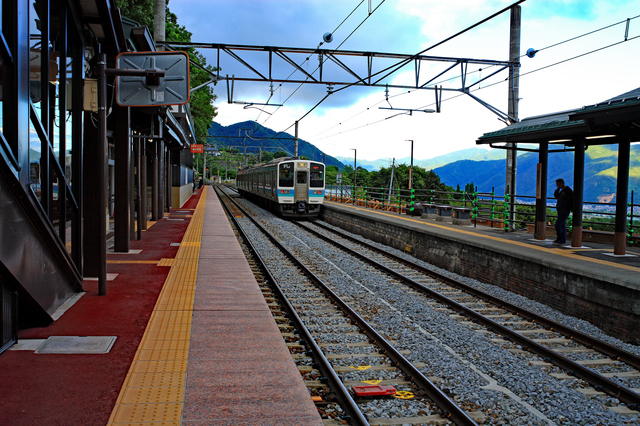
(197, 149)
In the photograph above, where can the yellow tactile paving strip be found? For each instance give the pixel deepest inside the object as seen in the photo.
(153, 391)
(560, 252)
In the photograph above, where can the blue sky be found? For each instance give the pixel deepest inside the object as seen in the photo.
(351, 118)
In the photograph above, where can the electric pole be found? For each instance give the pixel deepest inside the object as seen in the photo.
(512, 112)
(295, 143)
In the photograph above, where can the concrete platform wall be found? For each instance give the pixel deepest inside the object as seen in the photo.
(613, 307)
(180, 195)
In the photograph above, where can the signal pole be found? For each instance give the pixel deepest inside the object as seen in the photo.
(355, 174)
(411, 168)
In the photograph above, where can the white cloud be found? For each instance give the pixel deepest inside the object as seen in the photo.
(406, 26)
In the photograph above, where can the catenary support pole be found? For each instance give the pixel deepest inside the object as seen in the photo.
(512, 111)
(578, 194)
(355, 174)
(295, 143)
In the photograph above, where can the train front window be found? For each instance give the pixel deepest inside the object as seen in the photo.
(285, 172)
(316, 176)
(302, 177)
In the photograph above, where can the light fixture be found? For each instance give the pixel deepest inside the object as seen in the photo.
(600, 137)
(561, 140)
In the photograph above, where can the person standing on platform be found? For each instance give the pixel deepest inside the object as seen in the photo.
(564, 206)
(201, 183)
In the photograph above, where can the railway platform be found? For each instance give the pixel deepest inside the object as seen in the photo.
(587, 282)
(195, 342)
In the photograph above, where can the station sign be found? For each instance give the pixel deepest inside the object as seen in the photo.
(338, 177)
(197, 148)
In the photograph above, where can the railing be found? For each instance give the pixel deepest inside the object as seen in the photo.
(395, 199)
(486, 208)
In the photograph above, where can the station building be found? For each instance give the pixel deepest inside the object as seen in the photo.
(66, 188)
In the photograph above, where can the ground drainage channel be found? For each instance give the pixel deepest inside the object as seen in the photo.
(514, 390)
(357, 358)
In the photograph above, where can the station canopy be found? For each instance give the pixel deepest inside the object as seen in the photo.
(598, 124)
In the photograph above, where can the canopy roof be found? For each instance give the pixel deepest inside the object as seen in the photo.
(599, 123)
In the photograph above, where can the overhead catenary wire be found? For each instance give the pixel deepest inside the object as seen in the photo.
(500, 82)
(489, 85)
(324, 60)
(306, 59)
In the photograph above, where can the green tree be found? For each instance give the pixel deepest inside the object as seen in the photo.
(267, 156)
(280, 154)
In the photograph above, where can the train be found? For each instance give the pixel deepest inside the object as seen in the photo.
(291, 186)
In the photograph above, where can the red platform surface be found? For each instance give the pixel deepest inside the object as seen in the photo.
(45, 389)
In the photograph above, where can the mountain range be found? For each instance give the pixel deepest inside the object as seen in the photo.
(475, 154)
(255, 137)
(485, 168)
(600, 173)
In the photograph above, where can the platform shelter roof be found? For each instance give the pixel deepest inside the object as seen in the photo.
(598, 123)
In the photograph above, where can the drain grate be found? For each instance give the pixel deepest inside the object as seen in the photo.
(77, 345)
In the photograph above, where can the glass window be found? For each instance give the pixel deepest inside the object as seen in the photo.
(286, 175)
(301, 178)
(317, 176)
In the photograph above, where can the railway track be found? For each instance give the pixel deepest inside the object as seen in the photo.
(337, 348)
(477, 343)
(577, 354)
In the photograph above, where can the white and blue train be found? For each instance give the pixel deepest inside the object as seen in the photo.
(289, 185)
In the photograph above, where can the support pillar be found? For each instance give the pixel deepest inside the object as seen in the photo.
(138, 192)
(541, 192)
(132, 191)
(161, 179)
(91, 200)
(622, 190)
(143, 183)
(578, 194)
(155, 182)
(122, 173)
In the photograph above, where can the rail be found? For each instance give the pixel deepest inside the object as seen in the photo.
(612, 388)
(450, 409)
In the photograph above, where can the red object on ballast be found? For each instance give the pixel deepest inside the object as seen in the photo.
(373, 390)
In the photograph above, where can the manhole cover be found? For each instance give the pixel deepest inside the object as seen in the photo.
(77, 345)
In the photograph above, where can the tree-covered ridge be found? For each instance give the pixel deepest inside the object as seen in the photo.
(201, 102)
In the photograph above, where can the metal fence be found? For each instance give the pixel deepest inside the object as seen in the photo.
(485, 208)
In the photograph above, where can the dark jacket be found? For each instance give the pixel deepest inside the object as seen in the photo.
(565, 199)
